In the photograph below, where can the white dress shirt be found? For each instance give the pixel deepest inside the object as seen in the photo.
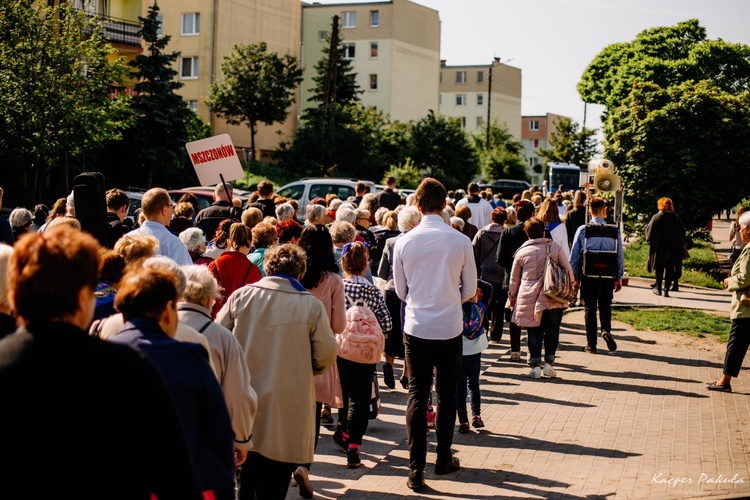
(169, 245)
(430, 263)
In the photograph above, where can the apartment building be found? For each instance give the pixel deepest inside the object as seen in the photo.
(206, 31)
(535, 134)
(119, 19)
(477, 93)
(394, 48)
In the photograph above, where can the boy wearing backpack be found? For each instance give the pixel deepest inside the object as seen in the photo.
(474, 342)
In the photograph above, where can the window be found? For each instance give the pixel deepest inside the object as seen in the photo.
(374, 18)
(193, 105)
(480, 76)
(460, 99)
(535, 143)
(349, 19)
(480, 121)
(373, 82)
(534, 125)
(160, 30)
(462, 119)
(348, 49)
(440, 100)
(322, 36)
(480, 99)
(460, 76)
(189, 68)
(374, 50)
(191, 24)
(441, 78)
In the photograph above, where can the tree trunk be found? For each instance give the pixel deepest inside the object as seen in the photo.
(252, 141)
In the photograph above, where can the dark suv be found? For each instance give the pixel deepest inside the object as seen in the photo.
(508, 187)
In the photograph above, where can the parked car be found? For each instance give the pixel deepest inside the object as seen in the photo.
(508, 187)
(308, 188)
(135, 203)
(205, 194)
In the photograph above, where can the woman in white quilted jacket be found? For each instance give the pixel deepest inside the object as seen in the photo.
(532, 309)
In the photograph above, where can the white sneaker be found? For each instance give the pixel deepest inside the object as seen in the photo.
(515, 356)
(549, 371)
(536, 372)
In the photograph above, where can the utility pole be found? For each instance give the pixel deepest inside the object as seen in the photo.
(489, 106)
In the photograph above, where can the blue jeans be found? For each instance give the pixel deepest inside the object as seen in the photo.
(547, 333)
(469, 374)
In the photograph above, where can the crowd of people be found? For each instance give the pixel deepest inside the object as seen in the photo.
(216, 329)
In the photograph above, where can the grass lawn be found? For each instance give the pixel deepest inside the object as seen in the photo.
(669, 319)
(695, 270)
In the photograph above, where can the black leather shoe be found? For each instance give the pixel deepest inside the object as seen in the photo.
(674, 288)
(443, 467)
(666, 293)
(415, 480)
(713, 386)
(388, 379)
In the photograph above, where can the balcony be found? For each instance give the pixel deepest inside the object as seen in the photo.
(119, 31)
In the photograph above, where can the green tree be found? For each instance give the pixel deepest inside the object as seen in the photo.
(258, 87)
(703, 77)
(55, 93)
(687, 142)
(351, 141)
(503, 159)
(161, 129)
(442, 150)
(407, 175)
(344, 80)
(569, 144)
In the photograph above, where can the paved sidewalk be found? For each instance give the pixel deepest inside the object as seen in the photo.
(638, 424)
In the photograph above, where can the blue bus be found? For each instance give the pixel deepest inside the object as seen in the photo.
(566, 174)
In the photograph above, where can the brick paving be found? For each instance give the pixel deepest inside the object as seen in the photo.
(639, 424)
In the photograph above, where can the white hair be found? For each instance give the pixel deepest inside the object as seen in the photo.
(193, 238)
(284, 211)
(456, 221)
(346, 214)
(315, 213)
(408, 218)
(744, 219)
(20, 217)
(335, 204)
(411, 199)
(200, 285)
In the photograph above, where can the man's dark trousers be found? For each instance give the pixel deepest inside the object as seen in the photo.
(421, 356)
(597, 293)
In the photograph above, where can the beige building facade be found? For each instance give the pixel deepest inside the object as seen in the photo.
(394, 48)
(478, 92)
(206, 31)
(535, 134)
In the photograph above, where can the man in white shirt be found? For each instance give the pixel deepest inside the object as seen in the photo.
(434, 273)
(157, 207)
(481, 209)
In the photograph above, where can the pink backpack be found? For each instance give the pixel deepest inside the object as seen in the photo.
(362, 341)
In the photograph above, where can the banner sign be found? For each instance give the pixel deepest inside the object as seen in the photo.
(214, 158)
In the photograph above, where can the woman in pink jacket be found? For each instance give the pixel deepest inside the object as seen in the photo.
(532, 309)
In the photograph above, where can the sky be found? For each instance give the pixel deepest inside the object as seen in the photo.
(553, 41)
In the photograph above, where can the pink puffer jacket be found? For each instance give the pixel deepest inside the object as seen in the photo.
(527, 280)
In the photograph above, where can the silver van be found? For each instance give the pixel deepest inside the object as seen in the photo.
(308, 188)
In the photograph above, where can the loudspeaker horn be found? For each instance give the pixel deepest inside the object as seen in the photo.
(598, 164)
(607, 182)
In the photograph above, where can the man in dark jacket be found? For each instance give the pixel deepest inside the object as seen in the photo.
(511, 240)
(265, 199)
(389, 198)
(118, 204)
(222, 208)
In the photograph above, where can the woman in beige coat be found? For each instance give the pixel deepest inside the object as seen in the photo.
(287, 339)
(532, 309)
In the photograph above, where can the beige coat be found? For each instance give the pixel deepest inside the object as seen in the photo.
(287, 339)
(527, 280)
